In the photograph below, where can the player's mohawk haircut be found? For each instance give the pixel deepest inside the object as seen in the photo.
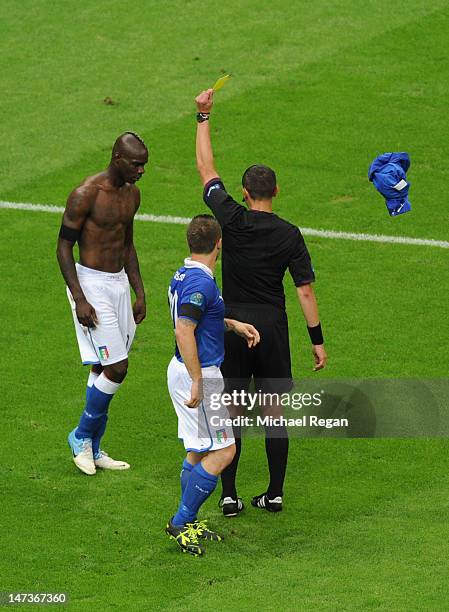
(137, 137)
(119, 142)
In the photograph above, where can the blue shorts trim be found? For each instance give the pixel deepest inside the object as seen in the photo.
(198, 450)
(91, 362)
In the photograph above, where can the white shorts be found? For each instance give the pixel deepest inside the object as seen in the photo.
(111, 339)
(201, 429)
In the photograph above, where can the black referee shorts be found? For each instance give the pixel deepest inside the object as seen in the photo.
(269, 362)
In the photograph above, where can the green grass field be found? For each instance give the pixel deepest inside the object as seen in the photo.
(318, 90)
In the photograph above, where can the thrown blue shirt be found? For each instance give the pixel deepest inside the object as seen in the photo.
(388, 173)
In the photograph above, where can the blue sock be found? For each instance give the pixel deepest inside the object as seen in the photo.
(199, 487)
(96, 408)
(102, 422)
(185, 474)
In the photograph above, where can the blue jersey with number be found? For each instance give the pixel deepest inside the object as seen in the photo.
(193, 294)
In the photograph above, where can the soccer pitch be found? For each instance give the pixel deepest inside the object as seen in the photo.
(317, 91)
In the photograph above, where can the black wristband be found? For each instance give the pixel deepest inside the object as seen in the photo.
(316, 334)
(200, 117)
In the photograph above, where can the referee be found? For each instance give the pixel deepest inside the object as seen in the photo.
(258, 248)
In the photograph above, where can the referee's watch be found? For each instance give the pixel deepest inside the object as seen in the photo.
(201, 117)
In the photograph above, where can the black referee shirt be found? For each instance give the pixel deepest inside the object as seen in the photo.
(258, 247)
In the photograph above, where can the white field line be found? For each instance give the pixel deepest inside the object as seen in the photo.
(306, 231)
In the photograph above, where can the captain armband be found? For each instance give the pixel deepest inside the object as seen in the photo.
(68, 233)
(190, 311)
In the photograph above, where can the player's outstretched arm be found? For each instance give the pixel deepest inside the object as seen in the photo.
(75, 214)
(204, 154)
(245, 330)
(132, 269)
(309, 306)
(186, 341)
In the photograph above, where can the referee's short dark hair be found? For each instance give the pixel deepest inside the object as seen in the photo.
(259, 181)
(203, 233)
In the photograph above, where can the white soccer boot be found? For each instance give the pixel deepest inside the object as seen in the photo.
(82, 453)
(105, 462)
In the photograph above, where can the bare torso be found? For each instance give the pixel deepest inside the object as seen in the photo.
(103, 240)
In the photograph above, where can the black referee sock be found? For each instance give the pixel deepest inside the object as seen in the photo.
(276, 446)
(229, 474)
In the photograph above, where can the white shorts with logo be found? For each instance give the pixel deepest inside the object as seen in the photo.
(201, 429)
(109, 294)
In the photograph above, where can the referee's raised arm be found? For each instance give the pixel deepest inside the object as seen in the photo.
(204, 153)
(223, 206)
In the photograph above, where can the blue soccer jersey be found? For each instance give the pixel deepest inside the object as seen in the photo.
(194, 294)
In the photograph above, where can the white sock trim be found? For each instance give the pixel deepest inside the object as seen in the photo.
(92, 378)
(105, 385)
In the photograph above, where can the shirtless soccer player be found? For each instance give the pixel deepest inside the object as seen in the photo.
(99, 216)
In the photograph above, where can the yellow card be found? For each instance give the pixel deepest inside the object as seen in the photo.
(221, 81)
